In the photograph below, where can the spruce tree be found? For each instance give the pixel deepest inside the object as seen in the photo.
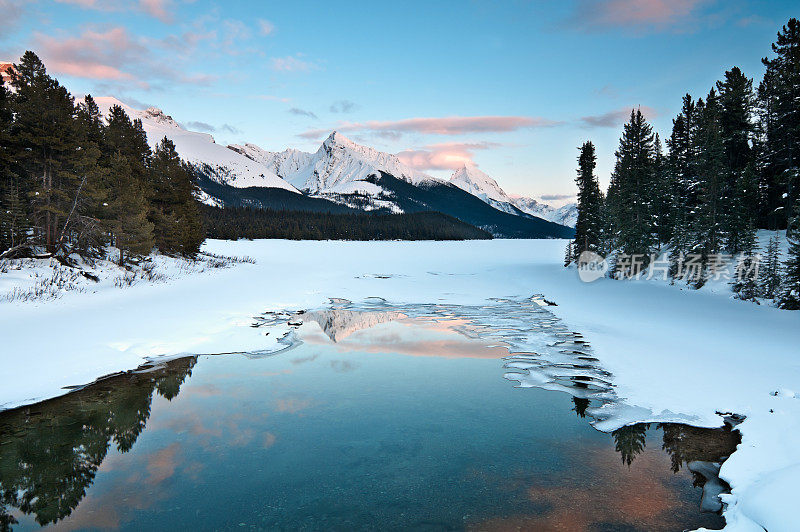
(682, 172)
(174, 212)
(662, 195)
(707, 233)
(771, 271)
(780, 116)
(132, 231)
(630, 200)
(13, 212)
(736, 109)
(790, 295)
(588, 229)
(48, 146)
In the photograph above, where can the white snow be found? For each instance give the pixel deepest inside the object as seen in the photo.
(231, 167)
(339, 162)
(565, 215)
(471, 179)
(675, 354)
(282, 163)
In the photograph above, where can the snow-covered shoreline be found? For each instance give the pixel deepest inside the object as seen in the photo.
(674, 354)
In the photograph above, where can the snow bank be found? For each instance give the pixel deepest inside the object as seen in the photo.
(675, 354)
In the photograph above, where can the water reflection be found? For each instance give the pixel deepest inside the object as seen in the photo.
(386, 439)
(50, 451)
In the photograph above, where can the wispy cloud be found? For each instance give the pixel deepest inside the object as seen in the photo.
(270, 98)
(615, 118)
(265, 27)
(556, 197)
(637, 15)
(451, 125)
(200, 126)
(291, 63)
(302, 112)
(343, 106)
(112, 55)
(159, 9)
(231, 129)
(443, 156)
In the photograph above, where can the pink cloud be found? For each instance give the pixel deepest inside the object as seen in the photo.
(93, 55)
(158, 9)
(450, 125)
(443, 156)
(111, 55)
(265, 27)
(592, 15)
(291, 63)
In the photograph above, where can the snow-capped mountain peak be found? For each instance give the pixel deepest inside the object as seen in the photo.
(222, 165)
(478, 183)
(282, 163)
(470, 178)
(340, 166)
(158, 116)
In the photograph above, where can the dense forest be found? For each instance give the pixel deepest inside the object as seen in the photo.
(233, 223)
(731, 166)
(72, 181)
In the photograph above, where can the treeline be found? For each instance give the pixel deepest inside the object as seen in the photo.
(732, 165)
(73, 181)
(233, 223)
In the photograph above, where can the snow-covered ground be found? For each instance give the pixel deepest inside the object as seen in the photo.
(674, 354)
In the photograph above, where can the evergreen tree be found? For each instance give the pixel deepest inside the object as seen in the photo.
(662, 195)
(48, 146)
(132, 231)
(779, 93)
(13, 212)
(682, 171)
(707, 233)
(629, 194)
(588, 229)
(771, 271)
(735, 114)
(174, 212)
(790, 297)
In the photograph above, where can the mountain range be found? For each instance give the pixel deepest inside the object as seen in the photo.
(344, 176)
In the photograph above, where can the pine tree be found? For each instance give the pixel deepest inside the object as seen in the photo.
(779, 93)
(682, 178)
(13, 214)
(662, 195)
(589, 227)
(790, 297)
(630, 199)
(707, 233)
(48, 146)
(133, 233)
(174, 212)
(771, 276)
(735, 115)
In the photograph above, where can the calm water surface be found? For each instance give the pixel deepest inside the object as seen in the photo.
(403, 425)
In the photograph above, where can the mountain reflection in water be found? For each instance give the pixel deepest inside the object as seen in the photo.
(50, 452)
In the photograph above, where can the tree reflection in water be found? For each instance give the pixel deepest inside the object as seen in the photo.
(50, 451)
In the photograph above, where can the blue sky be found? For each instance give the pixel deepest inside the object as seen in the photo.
(513, 86)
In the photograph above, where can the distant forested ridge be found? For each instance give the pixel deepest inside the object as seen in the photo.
(73, 181)
(232, 223)
(731, 166)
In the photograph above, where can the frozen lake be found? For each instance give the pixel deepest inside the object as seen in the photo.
(374, 421)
